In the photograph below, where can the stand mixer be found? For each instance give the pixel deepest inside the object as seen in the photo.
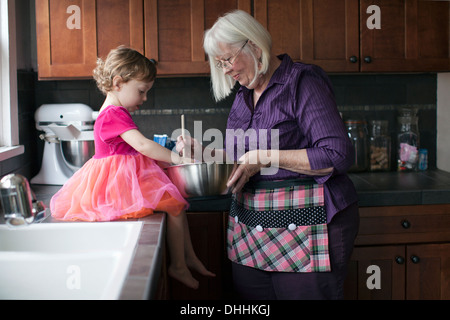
(69, 140)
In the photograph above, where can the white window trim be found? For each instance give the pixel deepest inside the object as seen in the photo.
(9, 122)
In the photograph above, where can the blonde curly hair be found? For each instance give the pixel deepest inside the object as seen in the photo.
(127, 63)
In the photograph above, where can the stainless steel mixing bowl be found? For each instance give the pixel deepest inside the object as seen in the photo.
(76, 152)
(201, 179)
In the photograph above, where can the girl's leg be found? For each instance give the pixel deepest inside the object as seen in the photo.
(191, 258)
(175, 240)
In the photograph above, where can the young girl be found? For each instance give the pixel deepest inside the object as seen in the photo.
(123, 180)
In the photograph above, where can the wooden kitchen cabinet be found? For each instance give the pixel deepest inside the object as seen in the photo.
(71, 34)
(428, 271)
(321, 32)
(413, 34)
(174, 32)
(392, 280)
(411, 247)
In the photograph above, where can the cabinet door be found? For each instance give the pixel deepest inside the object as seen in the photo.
(413, 36)
(174, 32)
(428, 272)
(71, 34)
(376, 273)
(119, 22)
(321, 32)
(66, 39)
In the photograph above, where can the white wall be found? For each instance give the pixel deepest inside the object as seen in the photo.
(443, 121)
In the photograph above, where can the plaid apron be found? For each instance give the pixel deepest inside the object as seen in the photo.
(279, 226)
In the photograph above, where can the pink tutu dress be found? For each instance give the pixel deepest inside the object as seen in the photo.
(117, 182)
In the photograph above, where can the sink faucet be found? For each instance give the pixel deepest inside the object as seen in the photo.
(19, 203)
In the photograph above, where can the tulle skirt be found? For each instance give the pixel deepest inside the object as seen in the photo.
(116, 187)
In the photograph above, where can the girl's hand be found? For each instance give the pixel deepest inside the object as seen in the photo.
(186, 160)
(177, 159)
(189, 145)
(250, 164)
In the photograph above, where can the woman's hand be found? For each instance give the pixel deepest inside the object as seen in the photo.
(250, 164)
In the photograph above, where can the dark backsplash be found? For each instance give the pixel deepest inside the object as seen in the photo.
(358, 96)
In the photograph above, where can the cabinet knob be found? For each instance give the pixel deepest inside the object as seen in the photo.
(399, 260)
(154, 62)
(353, 59)
(367, 59)
(406, 224)
(415, 259)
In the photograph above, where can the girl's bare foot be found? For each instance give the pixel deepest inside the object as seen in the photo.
(197, 265)
(184, 276)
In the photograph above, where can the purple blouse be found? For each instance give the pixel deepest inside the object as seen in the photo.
(299, 102)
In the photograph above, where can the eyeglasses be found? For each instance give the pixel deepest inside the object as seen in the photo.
(228, 63)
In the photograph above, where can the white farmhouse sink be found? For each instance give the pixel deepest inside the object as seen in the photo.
(70, 237)
(66, 260)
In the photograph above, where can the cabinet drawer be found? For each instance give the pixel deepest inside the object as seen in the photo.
(404, 224)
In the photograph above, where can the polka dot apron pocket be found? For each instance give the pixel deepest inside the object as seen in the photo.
(279, 226)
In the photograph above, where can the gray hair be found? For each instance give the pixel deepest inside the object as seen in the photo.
(234, 28)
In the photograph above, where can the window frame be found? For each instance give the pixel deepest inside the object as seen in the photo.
(9, 114)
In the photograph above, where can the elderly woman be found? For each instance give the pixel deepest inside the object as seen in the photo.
(291, 230)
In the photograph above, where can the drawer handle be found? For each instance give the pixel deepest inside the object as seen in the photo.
(406, 224)
(353, 59)
(399, 260)
(415, 259)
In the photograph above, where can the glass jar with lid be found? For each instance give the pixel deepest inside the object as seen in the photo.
(357, 132)
(408, 141)
(380, 146)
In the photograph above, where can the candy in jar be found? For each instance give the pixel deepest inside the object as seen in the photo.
(408, 143)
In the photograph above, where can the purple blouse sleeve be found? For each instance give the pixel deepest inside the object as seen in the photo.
(319, 118)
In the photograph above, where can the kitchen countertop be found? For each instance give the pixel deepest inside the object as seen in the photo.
(374, 189)
(402, 188)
